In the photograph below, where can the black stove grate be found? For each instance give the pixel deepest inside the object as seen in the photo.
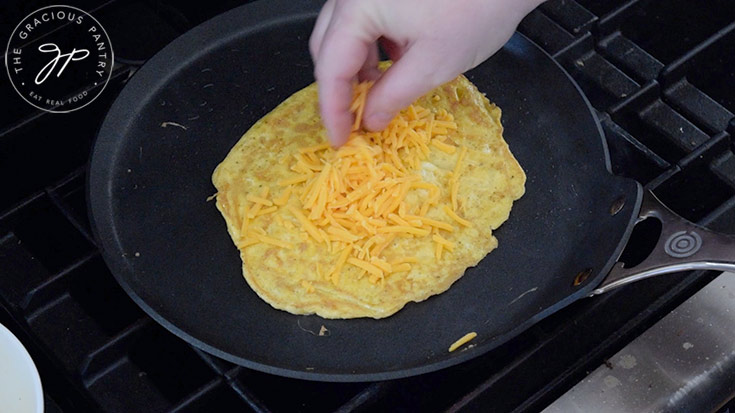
(661, 76)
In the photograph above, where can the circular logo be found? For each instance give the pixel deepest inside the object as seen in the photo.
(683, 244)
(59, 58)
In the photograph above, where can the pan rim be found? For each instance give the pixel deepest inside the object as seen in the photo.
(103, 226)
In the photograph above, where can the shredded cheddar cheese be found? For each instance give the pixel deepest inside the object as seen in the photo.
(462, 341)
(456, 217)
(354, 199)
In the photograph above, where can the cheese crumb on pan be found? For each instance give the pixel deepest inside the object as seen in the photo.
(462, 341)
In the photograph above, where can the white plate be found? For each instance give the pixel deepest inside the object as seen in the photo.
(20, 385)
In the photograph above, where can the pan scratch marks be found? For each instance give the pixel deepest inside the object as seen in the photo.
(323, 331)
(521, 296)
(298, 323)
(178, 125)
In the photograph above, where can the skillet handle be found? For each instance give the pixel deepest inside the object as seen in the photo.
(682, 246)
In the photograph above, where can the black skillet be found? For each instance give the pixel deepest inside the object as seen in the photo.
(180, 114)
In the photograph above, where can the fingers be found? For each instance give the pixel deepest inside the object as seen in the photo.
(369, 70)
(320, 27)
(413, 75)
(341, 56)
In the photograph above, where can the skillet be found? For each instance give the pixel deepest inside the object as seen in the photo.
(179, 115)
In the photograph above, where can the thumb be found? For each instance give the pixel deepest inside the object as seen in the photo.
(405, 81)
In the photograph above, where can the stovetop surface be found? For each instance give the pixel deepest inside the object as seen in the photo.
(661, 77)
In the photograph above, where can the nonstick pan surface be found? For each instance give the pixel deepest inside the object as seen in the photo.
(186, 107)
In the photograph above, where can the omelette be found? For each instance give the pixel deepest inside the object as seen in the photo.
(389, 218)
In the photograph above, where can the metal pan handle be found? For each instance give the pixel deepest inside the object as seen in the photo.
(682, 246)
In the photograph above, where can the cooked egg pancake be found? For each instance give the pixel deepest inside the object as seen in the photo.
(387, 219)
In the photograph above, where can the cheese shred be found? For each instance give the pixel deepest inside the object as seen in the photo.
(462, 341)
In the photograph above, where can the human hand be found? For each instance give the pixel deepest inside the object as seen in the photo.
(429, 41)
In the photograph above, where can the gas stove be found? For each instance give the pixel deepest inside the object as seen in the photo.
(661, 78)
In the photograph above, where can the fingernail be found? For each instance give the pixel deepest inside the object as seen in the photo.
(338, 136)
(336, 142)
(378, 120)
